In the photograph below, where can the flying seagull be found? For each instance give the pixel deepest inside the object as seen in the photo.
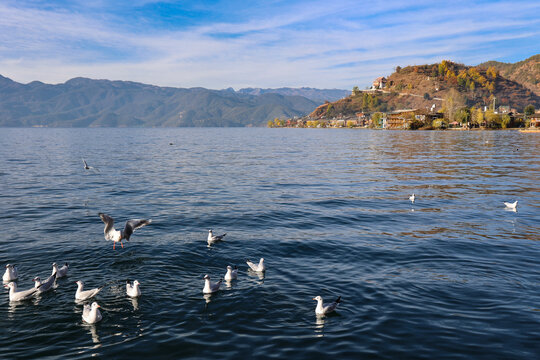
(86, 167)
(323, 309)
(117, 236)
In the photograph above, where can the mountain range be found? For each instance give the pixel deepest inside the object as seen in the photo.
(82, 102)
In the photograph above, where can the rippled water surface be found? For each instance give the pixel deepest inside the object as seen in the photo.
(454, 275)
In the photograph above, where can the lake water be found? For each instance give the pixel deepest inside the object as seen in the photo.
(454, 275)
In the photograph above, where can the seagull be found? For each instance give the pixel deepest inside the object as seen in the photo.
(91, 313)
(231, 274)
(133, 290)
(259, 267)
(412, 197)
(86, 167)
(512, 206)
(214, 238)
(46, 285)
(210, 287)
(60, 273)
(323, 309)
(117, 236)
(15, 295)
(11, 273)
(85, 294)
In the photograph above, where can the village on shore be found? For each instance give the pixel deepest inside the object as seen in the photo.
(435, 117)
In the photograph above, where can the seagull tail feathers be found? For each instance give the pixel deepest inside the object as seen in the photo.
(338, 300)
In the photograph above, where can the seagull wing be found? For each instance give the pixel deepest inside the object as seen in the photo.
(109, 222)
(133, 225)
(85, 164)
(252, 265)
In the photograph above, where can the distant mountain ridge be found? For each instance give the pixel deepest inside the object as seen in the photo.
(82, 102)
(318, 95)
(526, 72)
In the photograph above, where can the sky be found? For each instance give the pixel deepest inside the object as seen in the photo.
(220, 44)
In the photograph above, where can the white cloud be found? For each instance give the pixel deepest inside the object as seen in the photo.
(308, 46)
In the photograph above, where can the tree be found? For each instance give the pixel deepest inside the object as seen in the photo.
(463, 115)
(270, 123)
(376, 119)
(529, 110)
(492, 72)
(453, 101)
(356, 91)
(505, 121)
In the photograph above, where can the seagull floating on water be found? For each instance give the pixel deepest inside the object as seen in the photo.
(91, 313)
(210, 287)
(412, 197)
(133, 290)
(117, 236)
(231, 273)
(323, 309)
(214, 238)
(512, 206)
(15, 295)
(11, 273)
(46, 285)
(260, 267)
(81, 294)
(60, 273)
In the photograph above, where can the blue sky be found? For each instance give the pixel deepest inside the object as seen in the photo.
(220, 44)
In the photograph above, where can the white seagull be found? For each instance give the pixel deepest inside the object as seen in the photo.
(231, 273)
(412, 197)
(46, 285)
(91, 313)
(323, 309)
(11, 273)
(214, 238)
(210, 287)
(512, 206)
(117, 236)
(260, 267)
(15, 295)
(60, 273)
(133, 290)
(81, 294)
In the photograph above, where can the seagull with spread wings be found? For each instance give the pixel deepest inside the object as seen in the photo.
(118, 235)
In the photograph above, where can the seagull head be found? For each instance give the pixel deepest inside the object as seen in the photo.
(37, 278)
(210, 231)
(8, 266)
(136, 282)
(206, 277)
(229, 267)
(95, 305)
(11, 285)
(54, 265)
(317, 298)
(79, 283)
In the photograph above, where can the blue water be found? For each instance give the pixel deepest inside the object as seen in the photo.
(454, 275)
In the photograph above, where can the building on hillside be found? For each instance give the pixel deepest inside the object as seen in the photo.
(504, 109)
(400, 119)
(535, 120)
(379, 83)
(363, 119)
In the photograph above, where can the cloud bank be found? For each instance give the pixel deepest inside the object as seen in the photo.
(273, 44)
